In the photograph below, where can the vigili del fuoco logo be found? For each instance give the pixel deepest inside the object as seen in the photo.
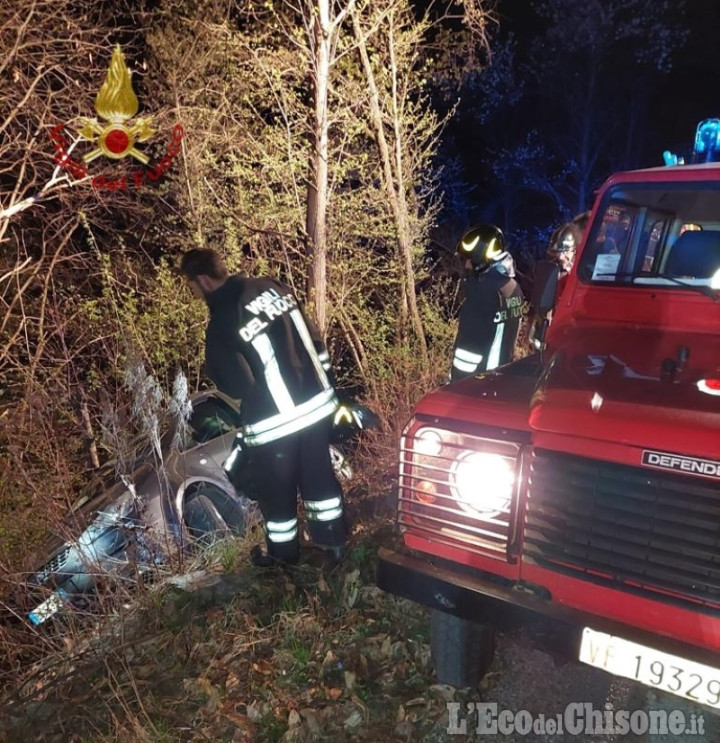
(115, 134)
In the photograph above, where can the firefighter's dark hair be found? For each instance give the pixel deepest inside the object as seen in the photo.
(202, 262)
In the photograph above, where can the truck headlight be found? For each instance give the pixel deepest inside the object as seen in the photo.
(458, 486)
(483, 482)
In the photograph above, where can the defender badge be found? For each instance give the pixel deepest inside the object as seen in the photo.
(684, 465)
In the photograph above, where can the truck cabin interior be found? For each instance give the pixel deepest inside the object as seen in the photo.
(656, 236)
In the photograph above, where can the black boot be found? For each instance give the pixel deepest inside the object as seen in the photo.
(264, 560)
(261, 559)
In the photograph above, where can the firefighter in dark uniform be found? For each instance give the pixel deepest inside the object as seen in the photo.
(564, 243)
(493, 308)
(261, 349)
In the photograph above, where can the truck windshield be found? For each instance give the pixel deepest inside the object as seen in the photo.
(663, 236)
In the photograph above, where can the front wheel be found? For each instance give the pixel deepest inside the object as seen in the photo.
(204, 521)
(462, 651)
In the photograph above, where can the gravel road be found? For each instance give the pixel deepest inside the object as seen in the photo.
(528, 674)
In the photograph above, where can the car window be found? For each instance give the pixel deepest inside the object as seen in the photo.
(211, 417)
(608, 246)
(638, 227)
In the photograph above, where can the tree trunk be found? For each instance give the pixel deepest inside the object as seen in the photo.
(317, 202)
(394, 187)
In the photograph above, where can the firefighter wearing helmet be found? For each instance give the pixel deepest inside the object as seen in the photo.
(565, 241)
(492, 311)
(262, 349)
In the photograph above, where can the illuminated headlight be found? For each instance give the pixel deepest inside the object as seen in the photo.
(428, 442)
(483, 482)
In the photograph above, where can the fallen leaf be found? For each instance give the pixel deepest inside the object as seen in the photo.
(363, 707)
(416, 702)
(311, 718)
(293, 718)
(231, 682)
(354, 719)
(241, 721)
(333, 693)
(263, 666)
(254, 712)
(210, 690)
(445, 692)
(350, 678)
(352, 587)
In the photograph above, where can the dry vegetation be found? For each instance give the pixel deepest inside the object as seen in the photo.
(87, 286)
(230, 653)
(86, 278)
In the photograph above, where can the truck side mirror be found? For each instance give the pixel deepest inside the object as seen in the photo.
(545, 286)
(544, 295)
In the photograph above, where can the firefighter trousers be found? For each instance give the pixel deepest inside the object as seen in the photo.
(299, 462)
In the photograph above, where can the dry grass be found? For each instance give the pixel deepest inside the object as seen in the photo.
(316, 654)
(243, 655)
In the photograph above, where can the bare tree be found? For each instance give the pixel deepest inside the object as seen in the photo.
(391, 145)
(56, 346)
(323, 24)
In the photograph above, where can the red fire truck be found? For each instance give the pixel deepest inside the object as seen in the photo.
(582, 482)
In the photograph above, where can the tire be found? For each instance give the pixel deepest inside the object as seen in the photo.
(341, 467)
(203, 520)
(230, 511)
(462, 651)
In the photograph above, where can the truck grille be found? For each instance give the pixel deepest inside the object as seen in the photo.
(628, 527)
(430, 504)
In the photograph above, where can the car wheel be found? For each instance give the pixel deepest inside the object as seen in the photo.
(203, 520)
(231, 511)
(342, 468)
(462, 651)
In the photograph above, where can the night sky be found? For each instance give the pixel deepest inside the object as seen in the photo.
(636, 113)
(693, 87)
(688, 94)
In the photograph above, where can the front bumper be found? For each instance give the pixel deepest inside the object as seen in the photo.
(483, 598)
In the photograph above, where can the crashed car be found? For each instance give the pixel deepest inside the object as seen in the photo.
(176, 494)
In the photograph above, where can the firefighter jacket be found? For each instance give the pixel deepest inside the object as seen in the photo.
(260, 348)
(489, 324)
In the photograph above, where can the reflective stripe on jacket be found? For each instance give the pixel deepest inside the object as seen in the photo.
(261, 349)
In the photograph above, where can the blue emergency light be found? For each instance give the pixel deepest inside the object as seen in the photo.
(672, 159)
(707, 142)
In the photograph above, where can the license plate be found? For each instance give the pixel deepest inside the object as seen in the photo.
(48, 608)
(685, 678)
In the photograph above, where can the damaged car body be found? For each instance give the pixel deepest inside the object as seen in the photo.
(176, 495)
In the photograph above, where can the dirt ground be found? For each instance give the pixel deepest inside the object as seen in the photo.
(231, 653)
